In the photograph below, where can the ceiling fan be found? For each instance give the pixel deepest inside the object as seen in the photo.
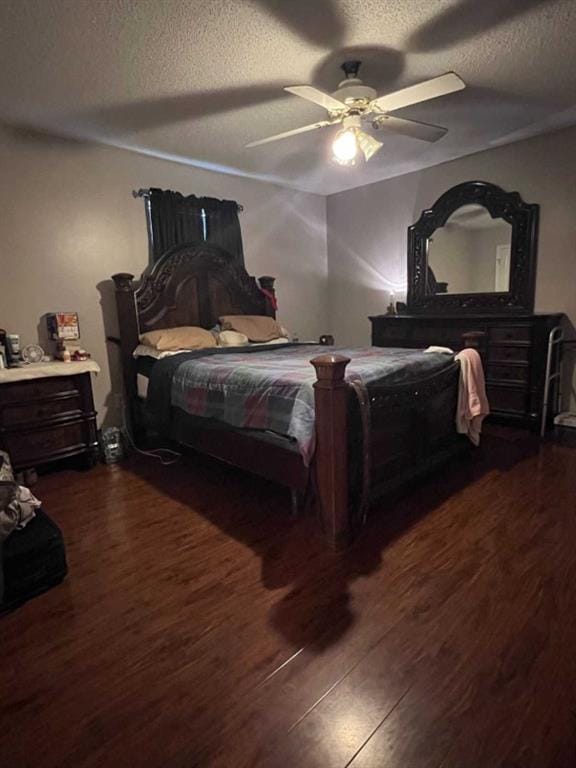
(354, 104)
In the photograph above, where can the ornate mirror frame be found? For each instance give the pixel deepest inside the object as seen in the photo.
(523, 217)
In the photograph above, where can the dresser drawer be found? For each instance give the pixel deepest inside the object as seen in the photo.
(511, 333)
(512, 373)
(507, 399)
(37, 389)
(504, 354)
(36, 412)
(43, 445)
(384, 340)
(391, 332)
(425, 336)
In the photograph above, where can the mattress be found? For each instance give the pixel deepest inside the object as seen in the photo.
(146, 359)
(184, 428)
(185, 425)
(271, 389)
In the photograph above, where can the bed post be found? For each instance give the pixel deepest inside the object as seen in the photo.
(128, 328)
(266, 284)
(331, 462)
(473, 339)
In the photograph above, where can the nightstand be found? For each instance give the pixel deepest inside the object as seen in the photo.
(47, 413)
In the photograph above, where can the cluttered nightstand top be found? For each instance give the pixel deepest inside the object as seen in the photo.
(46, 370)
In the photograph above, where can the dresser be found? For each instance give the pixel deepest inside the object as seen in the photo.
(513, 350)
(47, 413)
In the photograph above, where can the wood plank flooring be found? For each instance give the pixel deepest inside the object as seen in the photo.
(201, 625)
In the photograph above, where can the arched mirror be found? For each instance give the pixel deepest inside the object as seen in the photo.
(474, 250)
(470, 253)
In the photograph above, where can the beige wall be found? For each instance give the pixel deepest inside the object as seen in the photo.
(69, 221)
(367, 229)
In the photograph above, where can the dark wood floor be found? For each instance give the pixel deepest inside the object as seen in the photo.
(201, 626)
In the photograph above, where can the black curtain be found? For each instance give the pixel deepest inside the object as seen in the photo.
(175, 218)
(223, 226)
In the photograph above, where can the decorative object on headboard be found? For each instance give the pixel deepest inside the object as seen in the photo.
(267, 287)
(474, 226)
(175, 219)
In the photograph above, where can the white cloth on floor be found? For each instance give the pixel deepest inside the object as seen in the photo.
(18, 510)
(26, 504)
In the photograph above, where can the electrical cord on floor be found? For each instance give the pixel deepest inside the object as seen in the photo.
(166, 456)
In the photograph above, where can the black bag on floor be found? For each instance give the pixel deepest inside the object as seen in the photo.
(33, 560)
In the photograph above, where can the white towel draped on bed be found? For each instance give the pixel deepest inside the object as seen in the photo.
(473, 406)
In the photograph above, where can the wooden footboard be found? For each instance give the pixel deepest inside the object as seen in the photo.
(412, 429)
(407, 430)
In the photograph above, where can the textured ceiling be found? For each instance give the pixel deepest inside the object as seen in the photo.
(198, 80)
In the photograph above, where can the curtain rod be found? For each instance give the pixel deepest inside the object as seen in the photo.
(146, 194)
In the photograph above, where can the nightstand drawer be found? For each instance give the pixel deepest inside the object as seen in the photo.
(15, 414)
(37, 389)
(46, 444)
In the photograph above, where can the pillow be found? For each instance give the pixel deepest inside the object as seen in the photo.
(256, 327)
(143, 351)
(185, 337)
(280, 340)
(232, 339)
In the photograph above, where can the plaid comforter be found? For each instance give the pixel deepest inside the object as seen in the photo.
(272, 388)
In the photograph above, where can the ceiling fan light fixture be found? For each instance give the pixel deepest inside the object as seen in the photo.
(368, 144)
(354, 104)
(345, 147)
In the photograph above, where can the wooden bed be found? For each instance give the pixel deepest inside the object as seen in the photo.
(410, 429)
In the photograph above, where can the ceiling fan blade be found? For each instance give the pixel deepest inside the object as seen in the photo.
(412, 128)
(368, 144)
(295, 132)
(310, 93)
(414, 94)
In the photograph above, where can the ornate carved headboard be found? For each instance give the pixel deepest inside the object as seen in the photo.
(192, 284)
